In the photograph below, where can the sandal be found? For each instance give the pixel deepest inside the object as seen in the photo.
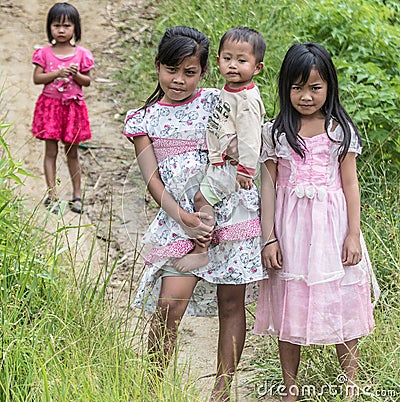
(76, 205)
(52, 205)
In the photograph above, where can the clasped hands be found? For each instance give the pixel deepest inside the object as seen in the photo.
(198, 227)
(67, 71)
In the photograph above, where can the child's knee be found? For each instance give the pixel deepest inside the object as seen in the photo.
(171, 309)
(71, 151)
(199, 199)
(230, 303)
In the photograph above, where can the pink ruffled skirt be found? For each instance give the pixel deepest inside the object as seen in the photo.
(322, 314)
(54, 119)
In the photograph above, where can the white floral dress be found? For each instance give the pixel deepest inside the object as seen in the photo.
(177, 133)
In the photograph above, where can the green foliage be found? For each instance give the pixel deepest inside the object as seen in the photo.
(27, 279)
(362, 36)
(18, 247)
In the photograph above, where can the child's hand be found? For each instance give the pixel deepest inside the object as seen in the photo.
(64, 72)
(204, 241)
(74, 69)
(271, 256)
(351, 252)
(195, 227)
(244, 182)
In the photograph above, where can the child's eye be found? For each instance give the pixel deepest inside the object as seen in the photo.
(242, 60)
(226, 58)
(170, 69)
(315, 89)
(296, 88)
(190, 72)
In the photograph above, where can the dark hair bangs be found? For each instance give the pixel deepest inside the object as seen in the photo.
(61, 12)
(176, 50)
(301, 68)
(245, 34)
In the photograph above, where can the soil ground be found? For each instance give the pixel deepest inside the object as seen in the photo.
(115, 199)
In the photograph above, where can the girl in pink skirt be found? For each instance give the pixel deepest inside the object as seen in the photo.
(60, 112)
(320, 272)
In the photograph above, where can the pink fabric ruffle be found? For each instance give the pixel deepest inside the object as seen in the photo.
(64, 120)
(322, 314)
(236, 232)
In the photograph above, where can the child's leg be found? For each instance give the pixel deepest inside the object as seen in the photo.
(289, 355)
(174, 297)
(232, 333)
(198, 257)
(50, 167)
(348, 358)
(74, 167)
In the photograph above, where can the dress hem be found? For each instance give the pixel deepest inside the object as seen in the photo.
(318, 343)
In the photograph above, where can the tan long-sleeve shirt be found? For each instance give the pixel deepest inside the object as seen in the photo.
(234, 128)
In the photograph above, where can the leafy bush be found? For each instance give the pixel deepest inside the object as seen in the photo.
(362, 36)
(18, 246)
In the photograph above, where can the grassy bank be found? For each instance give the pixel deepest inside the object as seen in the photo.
(61, 339)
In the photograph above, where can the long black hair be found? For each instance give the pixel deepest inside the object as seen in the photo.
(176, 44)
(60, 12)
(300, 59)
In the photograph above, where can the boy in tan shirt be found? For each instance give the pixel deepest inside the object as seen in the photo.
(233, 131)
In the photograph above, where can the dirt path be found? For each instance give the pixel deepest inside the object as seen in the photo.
(115, 200)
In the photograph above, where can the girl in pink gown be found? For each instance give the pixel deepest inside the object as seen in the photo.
(320, 272)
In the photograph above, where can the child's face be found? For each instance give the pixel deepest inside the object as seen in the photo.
(62, 31)
(179, 83)
(238, 64)
(310, 97)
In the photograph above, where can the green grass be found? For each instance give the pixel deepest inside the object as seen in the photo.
(362, 35)
(61, 338)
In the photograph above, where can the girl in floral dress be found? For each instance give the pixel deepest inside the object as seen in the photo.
(168, 133)
(320, 272)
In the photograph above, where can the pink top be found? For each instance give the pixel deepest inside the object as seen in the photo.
(63, 88)
(173, 129)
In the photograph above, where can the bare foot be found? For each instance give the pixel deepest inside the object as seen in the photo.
(191, 261)
(221, 390)
(292, 395)
(220, 397)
